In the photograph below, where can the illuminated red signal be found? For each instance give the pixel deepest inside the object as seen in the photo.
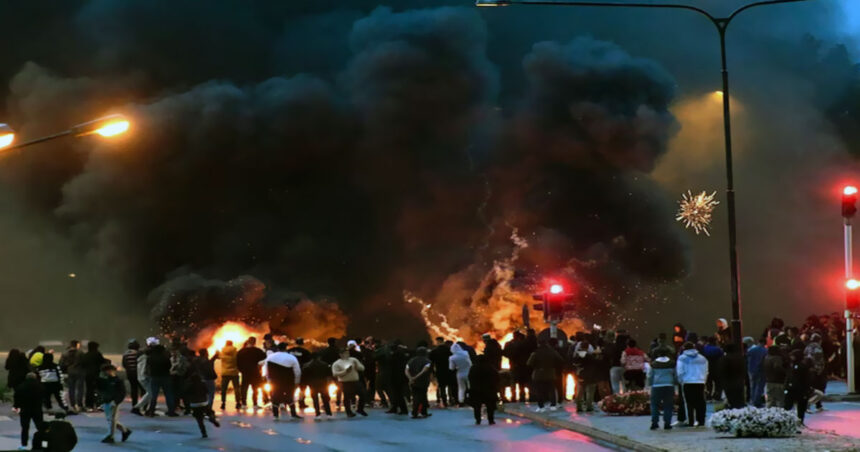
(852, 284)
(556, 289)
(852, 300)
(849, 201)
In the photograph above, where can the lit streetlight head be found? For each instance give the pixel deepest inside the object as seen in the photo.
(7, 135)
(107, 126)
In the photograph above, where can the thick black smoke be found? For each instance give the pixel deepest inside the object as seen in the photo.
(350, 152)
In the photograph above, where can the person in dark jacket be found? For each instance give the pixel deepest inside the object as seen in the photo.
(445, 380)
(398, 383)
(204, 366)
(52, 382)
(331, 353)
(368, 346)
(129, 363)
(798, 384)
(316, 374)
(733, 369)
(248, 360)
(111, 392)
(70, 364)
(158, 362)
(713, 353)
(775, 371)
(303, 355)
(418, 371)
(92, 362)
(545, 361)
(483, 381)
(17, 367)
(28, 399)
(587, 368)
(493, 351)
(198, 396)
(756, 355)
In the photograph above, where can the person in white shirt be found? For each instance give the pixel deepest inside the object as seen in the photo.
(284, 373)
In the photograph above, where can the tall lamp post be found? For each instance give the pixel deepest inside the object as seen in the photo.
(721, 24)
(106, 126)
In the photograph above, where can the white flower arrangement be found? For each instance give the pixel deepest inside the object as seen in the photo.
(756, 422)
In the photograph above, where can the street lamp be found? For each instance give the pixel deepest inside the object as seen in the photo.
(106, 126)
(721, 23)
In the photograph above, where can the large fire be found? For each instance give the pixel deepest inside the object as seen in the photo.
(237, 332)
(511, 391)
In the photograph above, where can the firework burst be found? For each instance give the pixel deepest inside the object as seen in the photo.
(695, 211)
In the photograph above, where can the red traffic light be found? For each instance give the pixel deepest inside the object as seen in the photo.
(556, 289)
(849, 201)
(852, 300)
(852, 284)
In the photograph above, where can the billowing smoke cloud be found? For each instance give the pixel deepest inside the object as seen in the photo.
(350, 153)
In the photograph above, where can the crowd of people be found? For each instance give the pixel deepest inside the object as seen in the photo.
(786, 367)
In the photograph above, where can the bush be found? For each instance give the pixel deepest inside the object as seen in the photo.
(756, 422)
(636, 403)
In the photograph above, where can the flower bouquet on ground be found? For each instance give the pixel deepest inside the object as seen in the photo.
(636, 403)
(756, 422)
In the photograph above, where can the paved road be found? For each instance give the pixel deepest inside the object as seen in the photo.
(445, 431)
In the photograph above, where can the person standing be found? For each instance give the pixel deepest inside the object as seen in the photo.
(284, 374)
(713, 353)
(814, 351)
(692, 372)
(368, 346)
(52, 382)
(346, 370)
(724, 333)
(144, 380)
(493, 351)
(756, 356)
(303, 355)
(316, 375)
(111, 391)
(732, 371)
(775, 371)
(229, 374)
(248, 361)
(798, 384)
(633, 359)
(444, 376)
(129, 363)
(70, 364)
(587, 373)
(180, 368)
(205, 367)
(418, 372)
(483, 381)
(616, 370)
(17, 367)
(545, 362)
(662, 382)
(92, 361)
(28, 399)
(460, 364)
(398, 382)
(158, 367)
(197, 394)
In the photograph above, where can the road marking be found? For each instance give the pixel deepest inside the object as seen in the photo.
(5, 418)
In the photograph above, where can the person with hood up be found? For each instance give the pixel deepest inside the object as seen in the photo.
(662, 380)
(692, 372)
(723, 333)
(92, 362)
(197, 394)
(29, 396)
(70, 364)
(248, 361)
(111, 392)
(775, 371)
(36, 357)
(633, 359)
(316, 375)
(229, 374)
(679, 336)
(756, 354)
(284, 374)
(545, 362)
(52, 382)
(460, 363)
(346, 370)
(483, 381)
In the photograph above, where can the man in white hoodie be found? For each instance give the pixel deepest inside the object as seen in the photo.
(692, 370)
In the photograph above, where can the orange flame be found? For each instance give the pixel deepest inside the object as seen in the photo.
(237, 332)
(570, 386)
(332, 390)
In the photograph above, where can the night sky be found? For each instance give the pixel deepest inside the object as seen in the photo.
(309, 161)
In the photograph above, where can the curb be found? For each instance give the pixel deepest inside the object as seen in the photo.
(617, 440)
(841, 398)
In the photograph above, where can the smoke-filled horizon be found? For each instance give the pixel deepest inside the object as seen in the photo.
(313, 161)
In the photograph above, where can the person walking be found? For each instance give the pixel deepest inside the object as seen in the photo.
(198, 395)
(798, 384)
(28, 399)
(158, 367)
(92, 362)
(418, 372)
(775, 372)
(346, 370)
(129, 363)
(248, 361)
(545, 362)
(483, 381)
(316, 375)
(204, 366)
(229, 374)
(460, 363)
(662, 379)
(111, 392)
(70, 364)
(142, 367)
(284, 374)
(814, 351)
(633, 359)
(444, 375)
(52, 382)
(756, 355)
(303, 355)
(692, 372)
(180, 368)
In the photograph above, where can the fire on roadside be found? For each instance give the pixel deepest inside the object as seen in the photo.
(237, 332)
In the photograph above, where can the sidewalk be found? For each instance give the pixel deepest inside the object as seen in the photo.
(632, 432)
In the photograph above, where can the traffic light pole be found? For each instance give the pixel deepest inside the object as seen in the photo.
(849, 316)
